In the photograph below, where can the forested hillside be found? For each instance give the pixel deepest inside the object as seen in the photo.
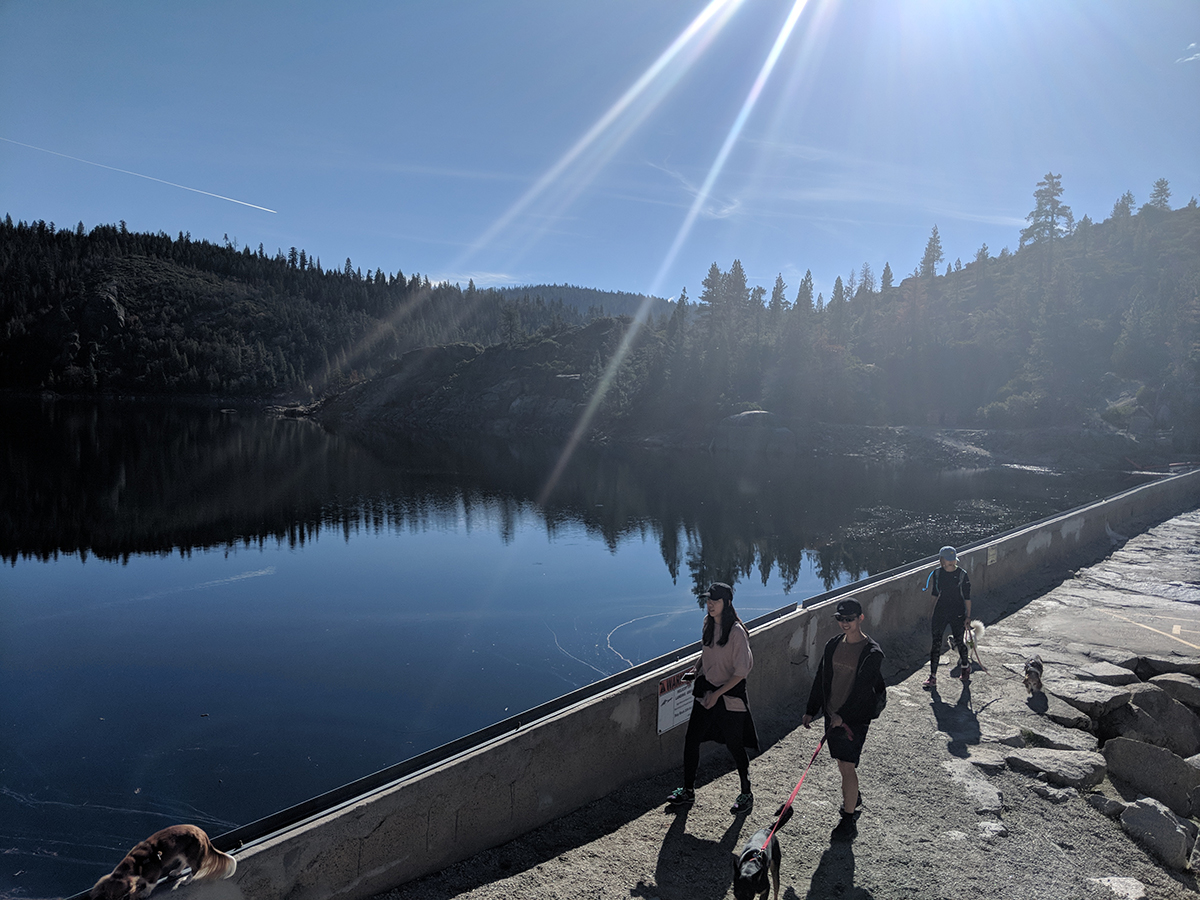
(1084, 319)
(1083, 322)
(1089, 317)
(113, 311)
(592, 302)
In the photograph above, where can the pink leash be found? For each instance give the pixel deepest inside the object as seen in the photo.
(783, 809)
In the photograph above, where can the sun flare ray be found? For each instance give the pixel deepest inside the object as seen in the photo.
(730, 139)
(653, 83)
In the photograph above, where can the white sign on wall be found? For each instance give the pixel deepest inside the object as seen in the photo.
(674, 700)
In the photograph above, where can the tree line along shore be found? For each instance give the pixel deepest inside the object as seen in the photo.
(1086, 322)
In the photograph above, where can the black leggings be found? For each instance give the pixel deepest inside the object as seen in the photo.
(716, 724)
(957, 620)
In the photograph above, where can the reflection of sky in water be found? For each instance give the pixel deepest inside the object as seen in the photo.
(219, 686)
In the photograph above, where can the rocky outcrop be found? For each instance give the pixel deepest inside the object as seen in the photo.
(1092, 698)
(1152, 716)
(1155, 772)
(1149, 666)
(1107, 673)
(1066, 768)
(1181, 687)
(1165, 834)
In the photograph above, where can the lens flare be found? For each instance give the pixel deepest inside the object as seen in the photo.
(627, 341)
(654, 83)
(730, 139)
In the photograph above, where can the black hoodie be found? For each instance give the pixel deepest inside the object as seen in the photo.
(867, 696)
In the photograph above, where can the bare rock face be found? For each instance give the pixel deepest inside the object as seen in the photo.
(1154, 771)
(1066, 768)
(1152, 716)
(1165, 834)
(1107, 673)
(102, 314)
(1092, 698)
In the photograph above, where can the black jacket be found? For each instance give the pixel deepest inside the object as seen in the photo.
(868, 694)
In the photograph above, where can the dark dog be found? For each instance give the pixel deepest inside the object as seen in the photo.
(756, 868)
(1033, 675)
(165, 854)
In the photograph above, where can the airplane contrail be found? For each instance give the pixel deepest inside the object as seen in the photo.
(139, 175)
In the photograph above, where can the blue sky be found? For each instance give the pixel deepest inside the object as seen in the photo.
(624, 145)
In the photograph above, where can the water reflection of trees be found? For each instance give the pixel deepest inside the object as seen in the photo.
(117, 480)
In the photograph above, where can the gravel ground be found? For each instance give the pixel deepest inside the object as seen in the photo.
(943, 817)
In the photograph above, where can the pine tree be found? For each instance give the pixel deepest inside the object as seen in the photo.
(1160, 197)
(933, 255)
(1123, 208)
(1050, 217)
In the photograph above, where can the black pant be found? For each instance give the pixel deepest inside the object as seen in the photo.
(956, 618)
(716, 724)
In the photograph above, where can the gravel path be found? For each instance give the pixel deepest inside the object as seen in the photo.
(943, 816)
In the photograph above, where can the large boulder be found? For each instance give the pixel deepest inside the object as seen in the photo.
(1067, 768)
(1106, 673)
(1149, 666)
(1181, 687)
(1163, 833)
(1092, 698)
(1154, 771)
(1052, 737)
(1152, 716)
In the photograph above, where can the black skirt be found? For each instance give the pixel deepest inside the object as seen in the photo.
(711, 724)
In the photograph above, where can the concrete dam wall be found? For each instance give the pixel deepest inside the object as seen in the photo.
(488, 788)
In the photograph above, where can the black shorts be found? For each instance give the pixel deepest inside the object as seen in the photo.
(842, 747)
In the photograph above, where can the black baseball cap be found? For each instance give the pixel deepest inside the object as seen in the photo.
(718, 590)
(849, 607)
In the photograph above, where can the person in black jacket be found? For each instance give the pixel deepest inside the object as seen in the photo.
(849, 690)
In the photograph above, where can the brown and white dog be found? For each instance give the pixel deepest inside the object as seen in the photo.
(165, 854)
(1033, 675)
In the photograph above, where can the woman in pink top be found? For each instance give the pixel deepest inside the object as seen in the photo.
(720, 711)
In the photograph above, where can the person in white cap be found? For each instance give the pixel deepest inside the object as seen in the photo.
(951, 590)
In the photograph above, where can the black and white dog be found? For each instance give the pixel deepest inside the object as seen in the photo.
(756, 869)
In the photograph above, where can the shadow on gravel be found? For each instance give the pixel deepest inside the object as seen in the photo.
(958, 721)
(691, 867)
(834, 876)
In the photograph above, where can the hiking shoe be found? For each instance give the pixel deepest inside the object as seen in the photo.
(966, 677)
(680, 797)
(846, 829)
(930, 683)
(742, 803)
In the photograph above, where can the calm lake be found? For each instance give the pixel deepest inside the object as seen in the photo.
(209, 616)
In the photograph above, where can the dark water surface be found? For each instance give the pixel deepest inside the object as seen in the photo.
(209, 616)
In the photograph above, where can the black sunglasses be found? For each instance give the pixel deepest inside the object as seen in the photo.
(846, 618)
